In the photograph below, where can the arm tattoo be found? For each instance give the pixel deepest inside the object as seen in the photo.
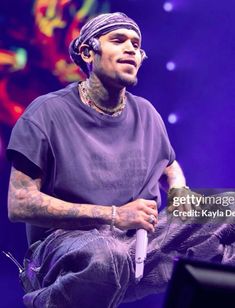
(27, 203)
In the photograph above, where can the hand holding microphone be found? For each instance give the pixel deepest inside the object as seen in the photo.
(141, 250)
(140, 214)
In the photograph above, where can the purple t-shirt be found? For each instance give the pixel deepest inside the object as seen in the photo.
(88, 157)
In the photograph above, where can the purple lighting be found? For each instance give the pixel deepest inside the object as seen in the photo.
(1, 147)
(170, 66)
(172, 118)
(168, 6)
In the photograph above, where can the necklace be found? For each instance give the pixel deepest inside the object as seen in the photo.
(83, 90)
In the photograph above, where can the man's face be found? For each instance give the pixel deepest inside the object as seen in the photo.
(120, 57)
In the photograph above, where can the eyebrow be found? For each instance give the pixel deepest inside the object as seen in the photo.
(124, 36)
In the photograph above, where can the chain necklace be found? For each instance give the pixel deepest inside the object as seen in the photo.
(88, 101)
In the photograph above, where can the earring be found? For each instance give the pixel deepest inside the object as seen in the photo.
(86, 52)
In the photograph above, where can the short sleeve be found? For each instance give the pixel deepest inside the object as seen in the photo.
(170, 150)
(28, 139)
(172, 156)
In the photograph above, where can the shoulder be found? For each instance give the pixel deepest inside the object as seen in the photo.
(144, 106)
(50, 102)
(138, 99)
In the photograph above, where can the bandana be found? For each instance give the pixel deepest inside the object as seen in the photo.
(97, 27)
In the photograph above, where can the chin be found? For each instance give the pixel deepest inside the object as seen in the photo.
(127, 80)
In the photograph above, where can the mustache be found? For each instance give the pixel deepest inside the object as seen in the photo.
(128, 61)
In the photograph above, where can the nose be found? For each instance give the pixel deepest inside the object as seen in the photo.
(129, 48)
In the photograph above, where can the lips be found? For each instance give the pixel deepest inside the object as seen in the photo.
(128, 61)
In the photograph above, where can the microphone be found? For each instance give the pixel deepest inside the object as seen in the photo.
(140, 253)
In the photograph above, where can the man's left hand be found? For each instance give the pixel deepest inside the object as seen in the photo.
(183, 199)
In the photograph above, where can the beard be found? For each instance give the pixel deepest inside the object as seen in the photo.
(126, 81)
(117, 79)
(126, 77)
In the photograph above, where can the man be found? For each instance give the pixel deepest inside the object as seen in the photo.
(87, 161)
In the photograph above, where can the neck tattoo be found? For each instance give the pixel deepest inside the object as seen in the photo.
(83, 91)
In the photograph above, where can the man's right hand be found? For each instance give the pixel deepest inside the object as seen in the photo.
(136, 215)
(26, 203)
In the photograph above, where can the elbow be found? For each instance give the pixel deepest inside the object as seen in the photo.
(13, 216)
(19, 209)
(15, 209)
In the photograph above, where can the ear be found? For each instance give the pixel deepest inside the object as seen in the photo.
(143, 55)
(86, 53)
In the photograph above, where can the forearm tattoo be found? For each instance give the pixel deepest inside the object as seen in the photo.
(28, 204)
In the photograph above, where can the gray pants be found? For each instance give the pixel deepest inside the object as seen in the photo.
(95, 268)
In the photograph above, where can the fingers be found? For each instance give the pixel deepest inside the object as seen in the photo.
(145, 209)
(150, 214)
(136, 215)
(145, 224)
(148, 203)
(187, 207)
(151, 211)
(183, 208)
(151, 204)
(151, 221)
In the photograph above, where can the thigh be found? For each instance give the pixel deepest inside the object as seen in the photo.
(77, 266)
(74, 251)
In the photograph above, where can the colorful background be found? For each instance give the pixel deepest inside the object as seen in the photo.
(189, 76)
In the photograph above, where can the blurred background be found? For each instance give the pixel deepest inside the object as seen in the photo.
(189, 77)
